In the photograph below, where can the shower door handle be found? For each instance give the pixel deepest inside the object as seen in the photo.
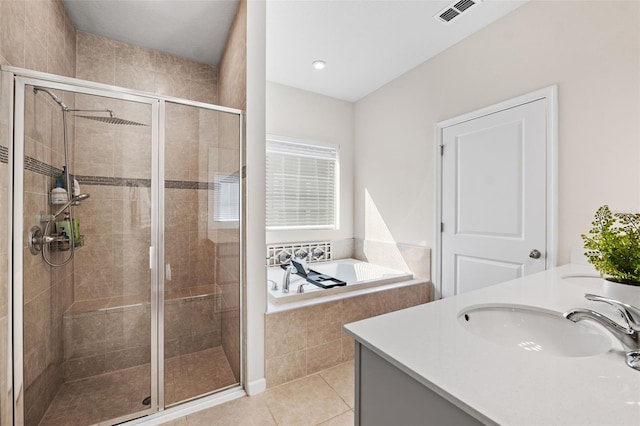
(152, 256)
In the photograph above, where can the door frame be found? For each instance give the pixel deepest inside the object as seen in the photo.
(550, 96)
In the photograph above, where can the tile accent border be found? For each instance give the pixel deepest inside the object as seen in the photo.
(45, 169)
(273, 250)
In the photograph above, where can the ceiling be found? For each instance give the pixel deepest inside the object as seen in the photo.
(192, 29)
(365, 43)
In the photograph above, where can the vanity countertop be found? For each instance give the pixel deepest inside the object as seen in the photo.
(500, 385)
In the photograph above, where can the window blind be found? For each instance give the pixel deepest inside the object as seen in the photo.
(301, 185)
(226, 199)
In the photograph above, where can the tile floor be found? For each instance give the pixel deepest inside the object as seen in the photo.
(325, 398)
(121, 392)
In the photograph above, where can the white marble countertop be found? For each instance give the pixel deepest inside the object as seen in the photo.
(505, 386)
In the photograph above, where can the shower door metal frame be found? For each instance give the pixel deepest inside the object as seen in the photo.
(20, 84)
(21, 78)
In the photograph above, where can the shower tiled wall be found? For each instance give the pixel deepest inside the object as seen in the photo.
(233, 93)
(37, 35)
(48, 292)
(117, 63)
(194, 152)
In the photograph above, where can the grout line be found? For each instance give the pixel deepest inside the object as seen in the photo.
(334, 417)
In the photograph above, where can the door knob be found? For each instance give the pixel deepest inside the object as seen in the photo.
(535, 254)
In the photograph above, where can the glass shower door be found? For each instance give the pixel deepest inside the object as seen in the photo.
(86, 297)
(201, 251)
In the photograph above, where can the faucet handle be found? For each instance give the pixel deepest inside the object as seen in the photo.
(631, 314)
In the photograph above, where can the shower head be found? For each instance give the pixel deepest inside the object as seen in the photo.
(110, 119)
(77, 198)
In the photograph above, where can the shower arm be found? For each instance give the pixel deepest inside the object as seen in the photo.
(93, 110)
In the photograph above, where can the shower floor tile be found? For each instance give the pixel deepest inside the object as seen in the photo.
(112, 395)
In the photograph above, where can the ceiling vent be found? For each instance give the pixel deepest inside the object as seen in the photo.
(452, 11)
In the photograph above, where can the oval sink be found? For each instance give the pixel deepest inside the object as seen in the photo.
(534, 330)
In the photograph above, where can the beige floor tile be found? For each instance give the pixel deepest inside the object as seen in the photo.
(344, 419)
(246, 411)
(341, 380)
(307, 401)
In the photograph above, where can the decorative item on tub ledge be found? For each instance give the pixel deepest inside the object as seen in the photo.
(279, 254)
(613, 246)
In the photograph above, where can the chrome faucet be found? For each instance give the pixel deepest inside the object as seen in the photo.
(629, 336)
(286, 280)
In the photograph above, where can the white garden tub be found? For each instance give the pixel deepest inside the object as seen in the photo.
(356, 273)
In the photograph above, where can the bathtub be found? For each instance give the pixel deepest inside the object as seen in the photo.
(356, 273)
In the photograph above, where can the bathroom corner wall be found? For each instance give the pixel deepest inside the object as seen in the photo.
(113, 62)
(578, 48)
(232, 93)
(404, 257)
(48, 292)
(37, 35)
(309, 116)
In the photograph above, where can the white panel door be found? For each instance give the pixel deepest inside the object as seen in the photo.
(494, 198)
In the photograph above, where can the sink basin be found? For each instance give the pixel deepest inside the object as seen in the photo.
(534, 330)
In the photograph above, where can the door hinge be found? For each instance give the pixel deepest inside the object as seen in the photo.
(441, 149)
(441, 226)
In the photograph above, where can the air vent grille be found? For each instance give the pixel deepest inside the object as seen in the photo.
(455, 9)
(448, 15)
(464, 5)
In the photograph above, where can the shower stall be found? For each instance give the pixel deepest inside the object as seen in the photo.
(126, 254)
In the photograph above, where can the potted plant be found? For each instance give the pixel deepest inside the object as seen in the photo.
(613, 246)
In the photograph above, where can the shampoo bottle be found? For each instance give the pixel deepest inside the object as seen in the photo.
(59, 194)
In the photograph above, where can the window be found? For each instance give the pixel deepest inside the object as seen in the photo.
(226, 201)
(301, 185)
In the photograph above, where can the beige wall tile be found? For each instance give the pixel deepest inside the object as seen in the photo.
(324, 356)
(133, 77)
(286, 332)
(170, 64)
(204, 73)
(285, 368)
(324, 323)
(100, 69)
(35, 51)
(203, 92)
(130, 55)
(171, 85)
(127, 358)
(84, 367)
(91, 45)
(12, 18)
(232, 71)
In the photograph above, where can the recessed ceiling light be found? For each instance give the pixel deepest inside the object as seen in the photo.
(319, 65)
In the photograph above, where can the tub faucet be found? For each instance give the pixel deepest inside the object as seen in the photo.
(629, 336)
(286, 280)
